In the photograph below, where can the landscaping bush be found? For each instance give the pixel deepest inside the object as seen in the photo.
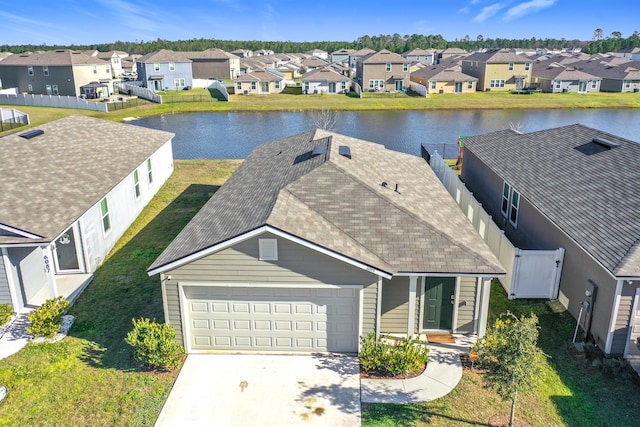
(47, 319)
(6, 311)
(384, 355)
(154, 344)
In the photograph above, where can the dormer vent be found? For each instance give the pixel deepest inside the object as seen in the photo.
(318, 150)
(31, 134)
(345, 150)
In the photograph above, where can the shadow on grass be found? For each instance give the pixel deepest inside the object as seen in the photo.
(404, 415)
(121, 289)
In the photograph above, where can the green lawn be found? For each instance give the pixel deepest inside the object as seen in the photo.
(571, 392)
(90, 378)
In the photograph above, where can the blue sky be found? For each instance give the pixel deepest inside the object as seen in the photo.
(102, 21)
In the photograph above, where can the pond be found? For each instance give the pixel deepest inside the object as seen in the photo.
(233, 135)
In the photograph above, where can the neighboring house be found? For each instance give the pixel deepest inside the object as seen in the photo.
(56, 72)
(263, 52)
(165, 70)
(572, 187)
(213, 63)
(631, 53)
(355, 56)
(451, 52)
(319, 53)
(342, 55)
(114, 57)
(444, 80)
(313, 63)
(616, 76)
(317, 240)
(423, 56)
(383, 71)
(70, 189)
(325, 80)
(560, 78)
(128, 64)
(498, 70)
(260, 82)
(290, 70)
(242, 53)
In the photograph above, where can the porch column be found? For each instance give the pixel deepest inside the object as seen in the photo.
(413, 285)
(484, 306)
(48, 265)
(379, 306)
(13, 289)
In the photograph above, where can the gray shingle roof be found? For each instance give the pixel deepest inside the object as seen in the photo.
(443, 74)
(497, 56)
(382, 57)
(53, 58)
(593, 198)
(49, 181)
(340, 204)
(324, 75)
(559, 72)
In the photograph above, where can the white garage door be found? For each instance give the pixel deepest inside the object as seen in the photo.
(272, 319)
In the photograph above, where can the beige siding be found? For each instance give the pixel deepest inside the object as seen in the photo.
(622, 321)
(5, 296)
(370, 300)
(466, 305)
(173, 309)
(395, 305)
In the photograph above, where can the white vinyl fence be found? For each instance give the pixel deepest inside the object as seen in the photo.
(418, 88)
(140, 92)
(530, 273)
(357, 89)
(10, 118)
(55, 101)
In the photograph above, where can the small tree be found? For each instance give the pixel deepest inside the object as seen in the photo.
(510, 355)
(154, 343)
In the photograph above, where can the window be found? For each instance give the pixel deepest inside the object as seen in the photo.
(306, 86)
(239, 85)
(149, 171)
(496, 83)
(506, 192)
(45, 70)
(156, 67)
(172, 66)
(627, 84)
(107, 68)
(30, 70)
(268, 249)
(277, 84)
(30, 87)
(49, 90)
(55, 89)
(344, 85)
(104, 211)
(136, 183)
(594, 84)
(434, 84)
(388, 67)
(376, 84)
(179, 83)
(470, 84)
(515, 204)
(527, 66)
(510, 66)
(95, 69)
(253, 86)
(558, 84)
(405, 67)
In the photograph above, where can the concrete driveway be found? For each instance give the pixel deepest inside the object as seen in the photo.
(264, 390)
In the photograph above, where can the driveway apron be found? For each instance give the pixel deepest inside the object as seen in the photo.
(264, 390)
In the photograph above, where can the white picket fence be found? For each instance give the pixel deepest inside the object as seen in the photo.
(55, 101)
(529, 273)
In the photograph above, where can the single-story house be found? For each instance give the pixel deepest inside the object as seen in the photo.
(571, 187)
(260, 82)
(318, 239)
(325, 80)
(70, 189)
(444, 80)
(561, 78)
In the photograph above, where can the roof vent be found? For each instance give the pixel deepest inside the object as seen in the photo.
(605, 142)
(345, 151)
(318, 150)
(31, 134)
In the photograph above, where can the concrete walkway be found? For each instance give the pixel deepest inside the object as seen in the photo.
(442, 375)
(13, 337)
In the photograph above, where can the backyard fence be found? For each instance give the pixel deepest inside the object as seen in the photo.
(10, 118)
(141, 92)
(356, 88)
(529, 273)
(55, 101)
(418, 88)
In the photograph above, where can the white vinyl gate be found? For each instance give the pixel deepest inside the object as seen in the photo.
(530, 273)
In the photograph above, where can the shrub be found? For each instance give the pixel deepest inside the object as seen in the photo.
(154, 344)
(387, 356)
(47, 319)
(6, 311)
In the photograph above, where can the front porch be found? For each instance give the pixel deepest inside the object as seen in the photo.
(69, 286)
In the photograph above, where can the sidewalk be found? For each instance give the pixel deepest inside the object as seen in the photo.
(442, 375)
(14, 336)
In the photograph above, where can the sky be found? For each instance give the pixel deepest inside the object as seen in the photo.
(87, 22)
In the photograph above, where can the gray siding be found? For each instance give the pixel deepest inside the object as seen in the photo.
(370, 300)
(5, 296)
(620, 330)
(466, 305)
(60, 75)
(173, 309)
(395, 305)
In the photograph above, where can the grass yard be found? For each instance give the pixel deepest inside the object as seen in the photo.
(571, 392)
(91, 378)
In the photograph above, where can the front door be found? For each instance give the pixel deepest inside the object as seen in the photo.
(439, 295)
(399, 85)
(458, 87)
(67, 252)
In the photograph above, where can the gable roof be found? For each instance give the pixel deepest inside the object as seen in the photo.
(497, 56)
(560, 72)
(209, 54)
(260, 76)
(418, 51)
(383, 57)
(324, 75)
(341, 205)
(452, 74)
(49, 181)
(592, 198)
(163, 55)
(53, 58)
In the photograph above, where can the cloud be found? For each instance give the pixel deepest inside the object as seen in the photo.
(233, 5)
(526, 8)
(465, 9)
(488, 11)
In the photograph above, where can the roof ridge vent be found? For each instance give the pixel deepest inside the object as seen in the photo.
(605, 142)
(31, 134)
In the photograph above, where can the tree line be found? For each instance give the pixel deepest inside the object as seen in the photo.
(393, 42)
